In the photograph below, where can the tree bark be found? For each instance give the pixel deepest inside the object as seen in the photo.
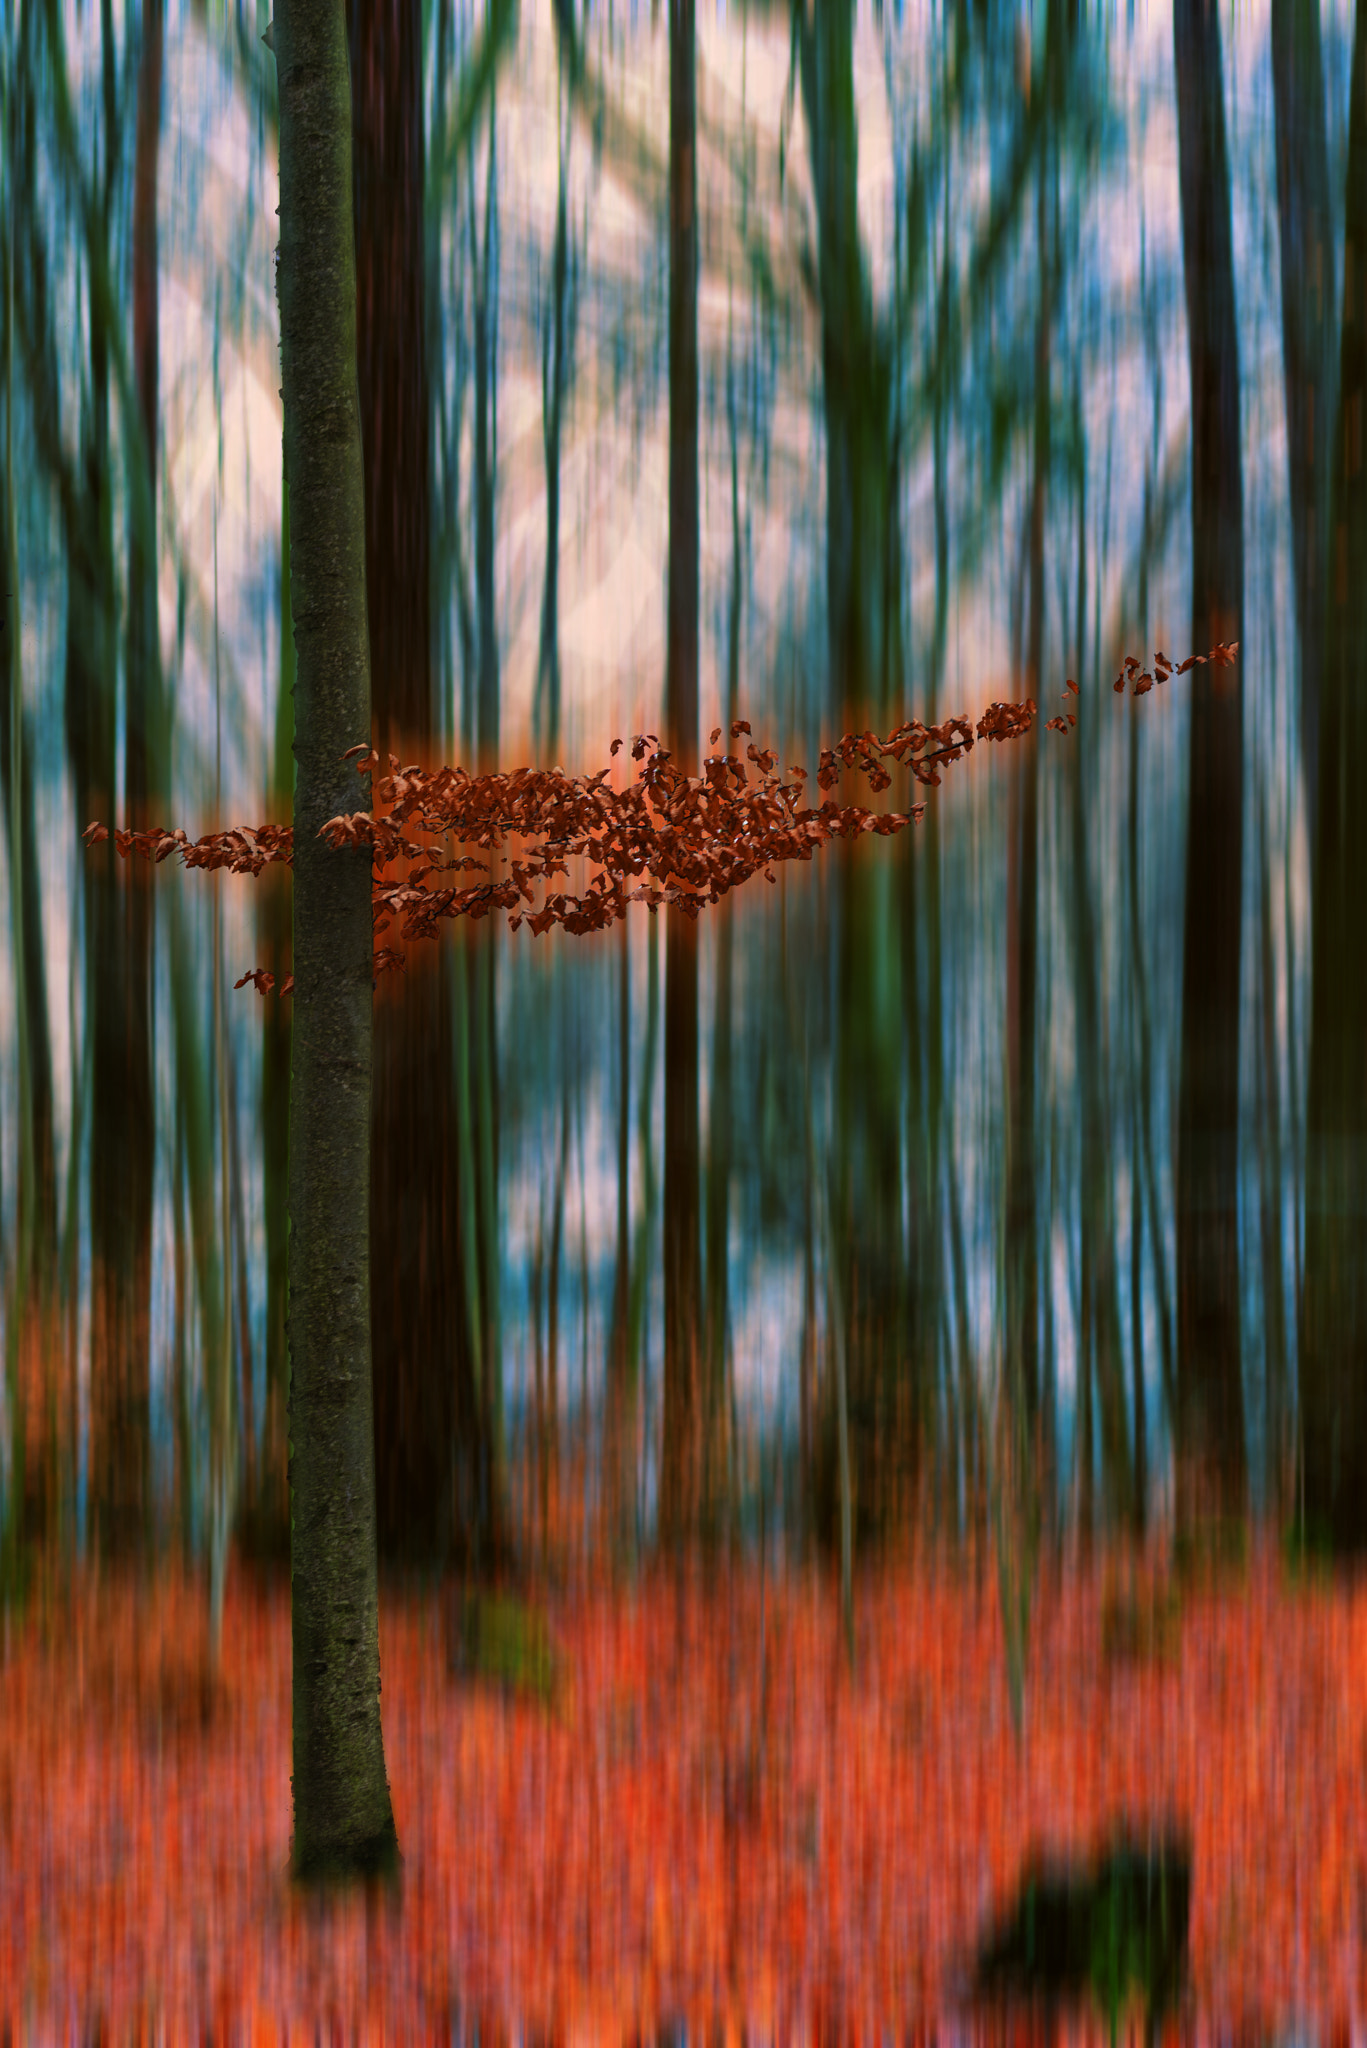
(343, 1821)
(1209, 1425)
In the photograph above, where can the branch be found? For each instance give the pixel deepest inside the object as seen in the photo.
(667, 838)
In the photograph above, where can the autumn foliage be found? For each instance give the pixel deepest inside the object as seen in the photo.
(713, 1824)
(666, 838)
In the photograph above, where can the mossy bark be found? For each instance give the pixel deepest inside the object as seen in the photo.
(343, 1822)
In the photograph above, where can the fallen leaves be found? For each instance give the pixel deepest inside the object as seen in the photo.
(705, 1836)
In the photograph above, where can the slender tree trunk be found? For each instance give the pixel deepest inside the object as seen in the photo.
(343, 1821)
(1023, 1249)
(266, 1524)
(1209, 1424)
(118, 904)
(1100, 1327)
(557, 344)
(682, 1451)
(623, 1371)
(481, 1466)
(1333, 1344)
(1307, 275)
(33, 1271)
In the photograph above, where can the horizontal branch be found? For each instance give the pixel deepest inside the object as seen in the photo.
(667, 838)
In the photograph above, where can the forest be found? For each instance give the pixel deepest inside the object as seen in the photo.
(681, 1160)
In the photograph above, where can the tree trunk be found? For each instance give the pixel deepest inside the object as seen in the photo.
(1307, 273)
(682, 1451)
(343, 1822)
(557, 346)
(1023, 1250)
(884, 1385)
(427, 1412)
(1334, 1306)
(30, 1322)
(265, 1525)
(1209, 1423)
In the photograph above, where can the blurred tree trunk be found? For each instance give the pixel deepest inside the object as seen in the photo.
(623, 1366)
(343, 1821)
(557, 359)
(480, 1478)
(885, 1385)
(1307, 279)
(1023, 1247)
(117, 903)
(1334, 1307)
(1099, 1273)
(429, 1417)
(265, 1529)
(683, 1449)
(1210, 1448)
(31, 1331)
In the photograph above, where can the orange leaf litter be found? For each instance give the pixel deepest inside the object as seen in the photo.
(779, 1856)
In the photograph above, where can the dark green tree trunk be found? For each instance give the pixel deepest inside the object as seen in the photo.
(343, 1822)
(1334, 1307)
(1209, 1424)
(34, 1485)
(557, 356)
(863, 567)
(884, 1385)
(683, 1451)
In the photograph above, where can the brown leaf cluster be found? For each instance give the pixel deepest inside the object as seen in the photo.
(666, 838)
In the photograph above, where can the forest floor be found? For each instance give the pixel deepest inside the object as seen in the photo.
(709, 1823)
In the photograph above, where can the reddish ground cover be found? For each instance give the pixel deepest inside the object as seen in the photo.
(715, 1825)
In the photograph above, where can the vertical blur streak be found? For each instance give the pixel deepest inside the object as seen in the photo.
(1209, 1423)
(885, 1385)
(1333, 1349)
(1307, 279)
(685, 1452)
